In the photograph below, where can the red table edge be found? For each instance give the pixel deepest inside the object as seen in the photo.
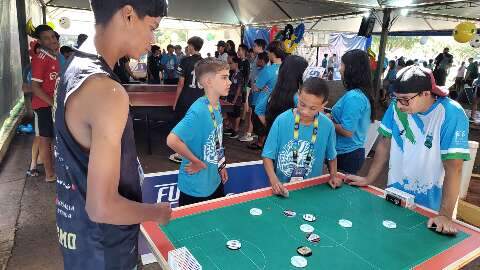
(452, 258)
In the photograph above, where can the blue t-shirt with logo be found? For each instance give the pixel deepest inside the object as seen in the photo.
(352, 111)
(280, 145)
(266, 81)
(420, 143)
(197, 131)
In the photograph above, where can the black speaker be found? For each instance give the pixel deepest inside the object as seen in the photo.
(366, 27)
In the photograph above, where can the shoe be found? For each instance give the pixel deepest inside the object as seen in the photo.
(228, 131)
(33, 173)
(246, 138)
(234, 135)
(175, 158)
(254, 146)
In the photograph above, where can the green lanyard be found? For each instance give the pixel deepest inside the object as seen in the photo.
(312, 140)
(218, 144)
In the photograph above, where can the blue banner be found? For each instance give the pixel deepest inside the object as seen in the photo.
(162, 187)
(252, 33)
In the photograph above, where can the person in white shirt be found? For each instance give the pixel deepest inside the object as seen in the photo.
(459, 79)
(222, 54)
(332, 64)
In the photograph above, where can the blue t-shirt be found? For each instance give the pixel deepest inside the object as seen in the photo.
(62, 61)
(266, 81)
(420, 143)
(280, 144)
(196, 130)
(352, 111)
(170, 64)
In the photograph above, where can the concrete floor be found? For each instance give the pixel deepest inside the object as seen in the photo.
(27, 211)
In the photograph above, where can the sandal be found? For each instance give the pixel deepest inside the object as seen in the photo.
(33, 173)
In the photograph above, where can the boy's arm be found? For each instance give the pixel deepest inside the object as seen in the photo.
(451, 189)
(177, 145)
(382, 156)
(103, 203)
(277, 186)
(238, 93)
(181, 83)
(37, 91)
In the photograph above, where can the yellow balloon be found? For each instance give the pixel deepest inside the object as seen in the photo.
(51, 24)
(464, 32)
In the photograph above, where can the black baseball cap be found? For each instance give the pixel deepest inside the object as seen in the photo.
(415, 79)
(221, 43)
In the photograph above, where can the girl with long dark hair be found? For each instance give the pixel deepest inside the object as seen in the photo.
(288, 82)
(354, 111)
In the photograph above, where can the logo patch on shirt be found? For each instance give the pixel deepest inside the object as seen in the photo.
(428, 141)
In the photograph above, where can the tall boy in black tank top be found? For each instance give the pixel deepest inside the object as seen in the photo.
(99, 176)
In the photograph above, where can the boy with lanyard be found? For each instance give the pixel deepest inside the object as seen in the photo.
(188, 89)
(198, 137)
(45, 72)
(169, 63)
(301, 139)
(263, 86)
(425, 138)
(235, 96)
(98, 203)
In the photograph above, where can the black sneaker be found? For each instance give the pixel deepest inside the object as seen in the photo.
(234, 135)
(228, 131)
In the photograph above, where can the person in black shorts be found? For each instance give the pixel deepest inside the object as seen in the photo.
(244, 67)
(188, 89)
(234, 96)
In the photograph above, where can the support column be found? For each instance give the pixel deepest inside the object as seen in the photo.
(381, 54)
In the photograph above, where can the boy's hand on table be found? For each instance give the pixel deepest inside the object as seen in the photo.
(335, 182)
(278, 188)
(195, 166)
(164, 213)
(355, 180)
(224, 175)
(443, 225)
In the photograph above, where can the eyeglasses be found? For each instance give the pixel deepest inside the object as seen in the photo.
(404, 101)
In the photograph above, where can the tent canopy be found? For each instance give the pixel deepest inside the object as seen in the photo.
(323, 14)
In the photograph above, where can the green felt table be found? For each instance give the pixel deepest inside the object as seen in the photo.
(271, 239)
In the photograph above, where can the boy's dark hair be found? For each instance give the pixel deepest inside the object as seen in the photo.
(178, 47)
(154, 48)
(209, 65)
(196, 42)
(170, 46)
(81, 39)
(260, 43)
(317, 87)
(103, 10)
(431, 60)
(409, 63)
(243, 47)
(263, 56)
(40, 29)
(66, 49)
(57, 35)
(278, 49)
(232, 54)
(325, 55)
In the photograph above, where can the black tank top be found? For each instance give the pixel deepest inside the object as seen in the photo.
(86, 244)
